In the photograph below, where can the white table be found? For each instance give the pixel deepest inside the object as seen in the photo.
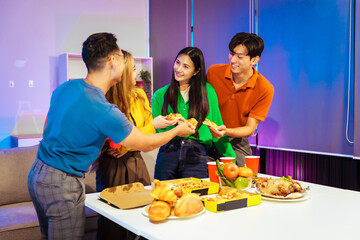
(330, 213)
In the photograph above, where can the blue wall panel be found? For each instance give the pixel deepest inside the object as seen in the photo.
(306, 57)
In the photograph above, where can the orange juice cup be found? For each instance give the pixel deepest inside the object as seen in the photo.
(227, 160)
(253, 163)
(212, 171)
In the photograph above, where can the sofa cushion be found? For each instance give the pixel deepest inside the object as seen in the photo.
(15, 216)
(15, 164)
(23, 215)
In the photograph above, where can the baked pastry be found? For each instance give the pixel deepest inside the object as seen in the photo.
(190, 204)
(210, 123)
(173, 116)
(193, 122)
(163, 192)
(159, 210)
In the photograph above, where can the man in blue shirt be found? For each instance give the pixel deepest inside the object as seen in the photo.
(78, 122)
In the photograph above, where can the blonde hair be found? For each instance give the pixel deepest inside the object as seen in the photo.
(121, 93)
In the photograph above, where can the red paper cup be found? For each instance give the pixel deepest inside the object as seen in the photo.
(227, 159)
(253, 163)
(212, 171)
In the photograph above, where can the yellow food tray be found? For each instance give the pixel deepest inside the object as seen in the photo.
(226, 205)
(211, 188)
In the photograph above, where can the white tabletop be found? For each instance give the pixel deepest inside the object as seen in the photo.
(330, 213)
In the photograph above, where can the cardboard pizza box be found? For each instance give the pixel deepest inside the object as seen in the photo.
(127, 196)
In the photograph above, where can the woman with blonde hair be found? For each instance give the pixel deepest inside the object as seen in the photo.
(118, 165)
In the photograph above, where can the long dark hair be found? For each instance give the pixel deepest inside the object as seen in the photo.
(198, 101)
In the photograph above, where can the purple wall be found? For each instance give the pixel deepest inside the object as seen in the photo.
(169, 33)
(357, 82)
(34, 33)
(212, 17)
(215, 23)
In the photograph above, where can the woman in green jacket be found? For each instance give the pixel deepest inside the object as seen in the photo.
(190, 95)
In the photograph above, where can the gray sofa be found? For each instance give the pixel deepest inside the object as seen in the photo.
(18, 218)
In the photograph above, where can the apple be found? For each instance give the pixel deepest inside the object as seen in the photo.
(231, 170)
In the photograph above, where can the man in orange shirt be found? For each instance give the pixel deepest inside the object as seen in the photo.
(244, 95)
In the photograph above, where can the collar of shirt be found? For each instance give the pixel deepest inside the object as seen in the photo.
(250, 84)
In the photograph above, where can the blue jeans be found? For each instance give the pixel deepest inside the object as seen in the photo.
(181, 159)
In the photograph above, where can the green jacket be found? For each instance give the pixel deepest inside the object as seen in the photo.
(222, 145)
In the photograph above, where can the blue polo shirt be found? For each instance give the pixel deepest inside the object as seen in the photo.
(79, 120)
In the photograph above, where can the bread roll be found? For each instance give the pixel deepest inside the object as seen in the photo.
(189, 204)
(159, 211)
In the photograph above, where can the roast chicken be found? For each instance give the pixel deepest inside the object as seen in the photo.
(278, 187)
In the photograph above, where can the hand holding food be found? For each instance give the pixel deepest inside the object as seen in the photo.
(216, 131)
(173, 116)
(184, 129)
(161, 122)
(193, 122)
(210, 123)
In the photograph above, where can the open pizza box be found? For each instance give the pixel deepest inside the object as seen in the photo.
(208, 188)
(249, 199)
(127, 196)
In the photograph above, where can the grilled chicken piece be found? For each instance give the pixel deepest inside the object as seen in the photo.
(278, 187)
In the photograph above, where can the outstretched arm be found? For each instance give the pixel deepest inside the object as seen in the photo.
(245, 131)
(140, 141)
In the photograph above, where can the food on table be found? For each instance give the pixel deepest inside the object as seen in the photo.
(173, 116)
(159, 210)
(220, 172)
(193, 122)
(163, 192)
(178, 192)
(227, 194)
(245, 172)
(210, 123)
(231, 170)
(190, 204)
(191, 184)
(278, 187)
(241, 182)
(229, 176)
(166, 202)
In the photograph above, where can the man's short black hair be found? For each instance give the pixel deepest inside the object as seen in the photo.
(253, 43)
(96, 48)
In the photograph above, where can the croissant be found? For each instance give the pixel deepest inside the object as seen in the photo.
(159, 210)
(188, 205)
(163, 192)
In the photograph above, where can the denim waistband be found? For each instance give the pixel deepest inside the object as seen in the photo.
(183, 142)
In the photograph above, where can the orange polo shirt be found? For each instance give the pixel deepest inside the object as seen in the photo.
(236, 105)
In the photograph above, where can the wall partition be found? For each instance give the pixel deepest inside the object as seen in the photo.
(357, 82)
(308, 57)
(215, 23)
(169, 32)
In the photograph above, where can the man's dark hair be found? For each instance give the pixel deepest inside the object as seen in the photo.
(253, 43)
(96, 48)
